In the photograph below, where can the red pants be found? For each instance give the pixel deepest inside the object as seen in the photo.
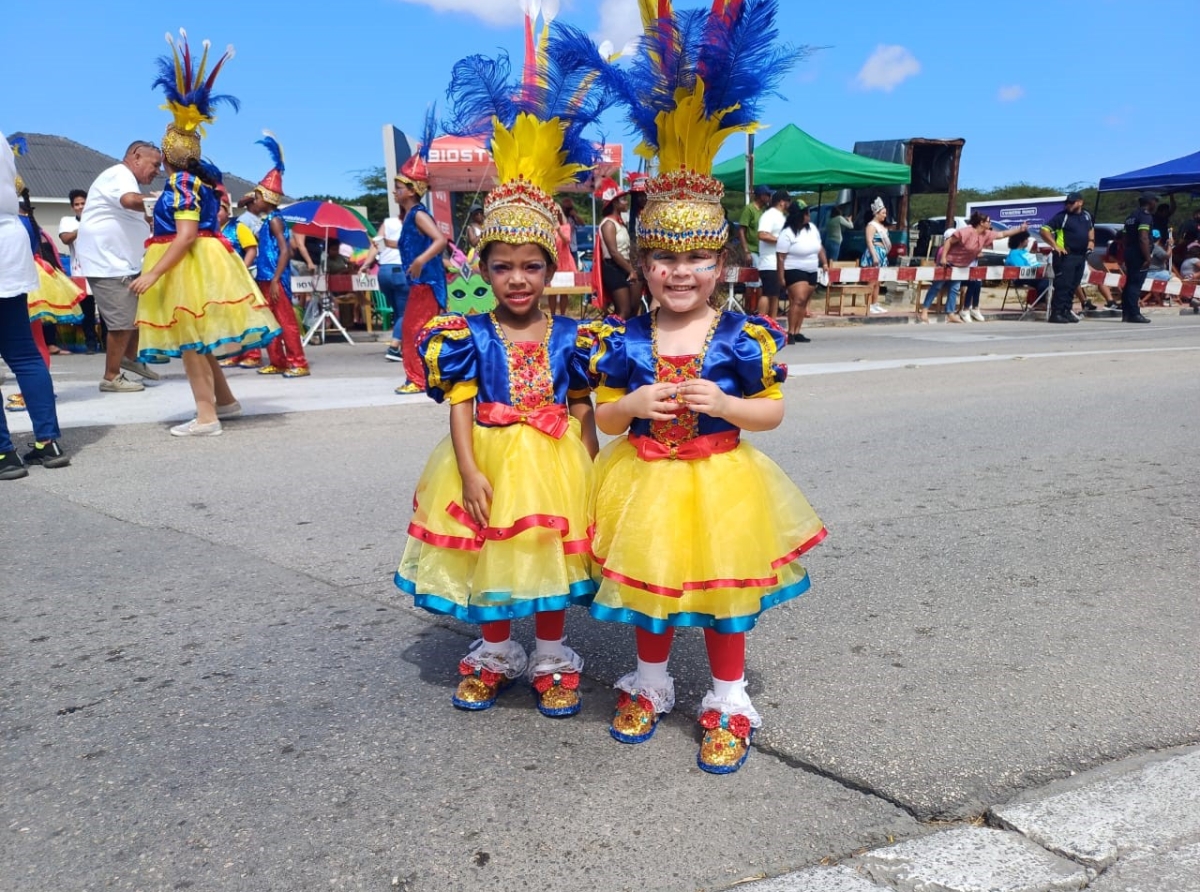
(285, 351)
(422, 306)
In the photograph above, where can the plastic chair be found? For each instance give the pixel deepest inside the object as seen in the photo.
(381, 311)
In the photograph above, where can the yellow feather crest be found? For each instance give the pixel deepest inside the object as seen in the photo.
(688, 139)
(532, 150)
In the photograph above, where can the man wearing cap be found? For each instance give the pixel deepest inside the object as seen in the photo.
(770, 225)
(1070, 234)
(748, 221)
(1139, 247)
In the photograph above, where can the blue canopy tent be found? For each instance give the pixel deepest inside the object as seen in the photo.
(1170, 176)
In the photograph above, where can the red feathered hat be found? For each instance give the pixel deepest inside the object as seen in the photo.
(608, 190)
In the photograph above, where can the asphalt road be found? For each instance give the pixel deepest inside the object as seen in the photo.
(211, 684)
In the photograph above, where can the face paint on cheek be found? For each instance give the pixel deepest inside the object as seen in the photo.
(706, 269)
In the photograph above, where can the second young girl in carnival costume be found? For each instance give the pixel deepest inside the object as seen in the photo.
(693, 527)
(194, 294)
(499, 529)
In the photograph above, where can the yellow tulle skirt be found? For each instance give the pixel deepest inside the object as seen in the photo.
(532, 557)
(56, 299)
(712, 542)
(205, 301)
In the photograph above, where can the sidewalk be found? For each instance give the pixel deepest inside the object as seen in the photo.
(1132, 826)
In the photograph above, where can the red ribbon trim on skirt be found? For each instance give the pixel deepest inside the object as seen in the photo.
(203, 233)
(496, 534)
(551, 420)
(704, 446)
(706, 584)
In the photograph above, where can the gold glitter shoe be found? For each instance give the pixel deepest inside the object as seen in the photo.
(249, 364)
(558, 694)
(297, 371)
(270, 370)
(479, 687)
(726, 742)
(408, 387)
(635, 719)
(228, 362)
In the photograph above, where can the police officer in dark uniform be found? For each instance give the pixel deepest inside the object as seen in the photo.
(1071, 235)
(1138, 247)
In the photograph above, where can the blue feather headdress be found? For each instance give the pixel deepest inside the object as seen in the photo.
(534, 125)
(270, 187)
(188, 89)
(18, 145)
(697, 77)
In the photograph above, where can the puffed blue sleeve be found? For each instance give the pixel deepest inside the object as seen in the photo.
(579, 375)
(451, 363)
(609, 367)
(756, 345)
(184, 191)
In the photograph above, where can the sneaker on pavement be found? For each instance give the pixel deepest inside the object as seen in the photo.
(139, 368)
(965, 316)
(120, 384)
(233, 410)
(977, 316)
(48, 455)
(194, 428)
(393, 355)
(11, 467)
(876, 310)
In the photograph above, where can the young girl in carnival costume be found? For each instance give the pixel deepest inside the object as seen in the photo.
(194, 294)
(56, 299)
(422, 246)
(693, 527)
(499, 529)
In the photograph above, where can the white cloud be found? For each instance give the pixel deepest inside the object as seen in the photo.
(494, 12)
(887, 68)
(1010, 93)
(620, 22)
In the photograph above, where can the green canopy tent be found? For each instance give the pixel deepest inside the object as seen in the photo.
(791, 159)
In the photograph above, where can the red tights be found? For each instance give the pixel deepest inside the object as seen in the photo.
(548, 626)
(726, 651)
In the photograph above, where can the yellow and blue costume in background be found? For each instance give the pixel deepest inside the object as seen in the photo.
(533, 555)
(727, 525)
(208, 299)
(57, 298)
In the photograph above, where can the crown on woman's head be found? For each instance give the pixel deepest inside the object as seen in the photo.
(190, 100)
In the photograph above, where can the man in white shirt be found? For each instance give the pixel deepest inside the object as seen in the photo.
(110, 246)
(18, 276)
(68, 232)
(770, 224)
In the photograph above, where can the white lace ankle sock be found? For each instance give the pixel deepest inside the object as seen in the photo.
(731, 692)
(653, 675)
(499, 648)
(555, 649)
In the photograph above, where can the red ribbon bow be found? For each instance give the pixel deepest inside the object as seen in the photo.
(551, 420)
(737, 725)
(487, 676)
(643, 702)
(569, 680)
(650, 449)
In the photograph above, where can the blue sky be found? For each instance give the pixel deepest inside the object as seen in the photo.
(1044, 96)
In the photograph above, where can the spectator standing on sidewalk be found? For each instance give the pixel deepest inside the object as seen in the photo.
(770, 225)
(961, 249)
(112, 233)
(392, 282)
(1139, 248)
(879, 246)
(18, 276)
(748, 222)
(1071, 235)
(68, 232)
(836, 227)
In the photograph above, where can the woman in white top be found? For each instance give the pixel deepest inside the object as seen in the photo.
(798, 256)
(618, 274)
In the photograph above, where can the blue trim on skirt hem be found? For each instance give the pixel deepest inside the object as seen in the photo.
(730, 625)
(202, 349)
(580, 595)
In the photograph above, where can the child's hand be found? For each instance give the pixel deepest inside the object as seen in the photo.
(655, 402)
(705, 397)
(477, 497)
